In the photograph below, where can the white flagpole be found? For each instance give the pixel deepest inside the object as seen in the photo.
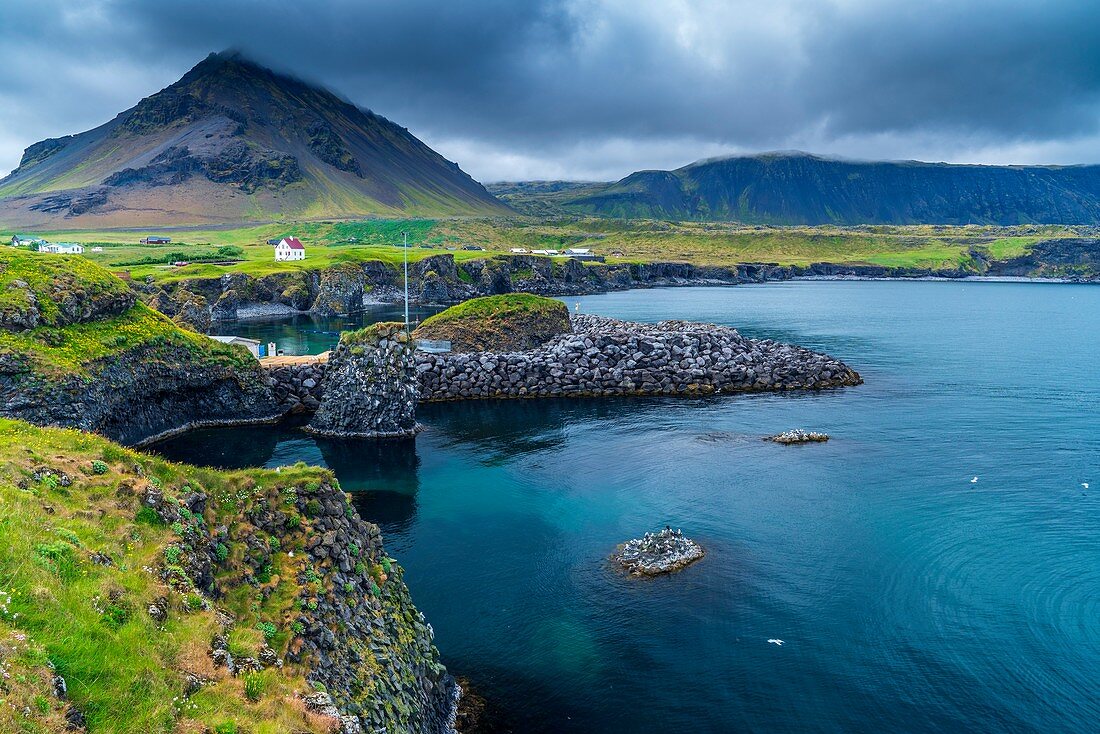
(406, 251)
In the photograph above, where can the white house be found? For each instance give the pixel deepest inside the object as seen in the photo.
(26, 240)
(290, 248)
(544, 252)
(518, 251)
(62, 248)
(577, 251)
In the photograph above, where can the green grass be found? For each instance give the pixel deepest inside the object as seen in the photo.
(51, 278)
(705, 243)
(72, 348)
(489, 308)
(125, 671)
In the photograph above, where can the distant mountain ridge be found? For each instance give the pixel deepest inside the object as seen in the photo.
(232, 141)
(800, 188)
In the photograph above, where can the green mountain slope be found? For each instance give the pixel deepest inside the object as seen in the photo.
(798, 188)
(231, 142)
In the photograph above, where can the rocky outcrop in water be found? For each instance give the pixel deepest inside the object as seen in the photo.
(503, 323)
(798, 435)
(370, 388)
(657, 553)
(299, 387)
(606, 357)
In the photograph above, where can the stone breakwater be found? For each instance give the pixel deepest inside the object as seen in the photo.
(298, 387)
(607, 357)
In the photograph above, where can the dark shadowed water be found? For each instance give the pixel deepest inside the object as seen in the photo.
(313, 334)
(909, 597)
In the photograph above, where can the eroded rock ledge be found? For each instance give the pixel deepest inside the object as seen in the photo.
(605, 357)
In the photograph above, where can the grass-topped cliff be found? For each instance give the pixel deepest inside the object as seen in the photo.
(509, 322)
(77, 349)
(66, 314)
(176, 599)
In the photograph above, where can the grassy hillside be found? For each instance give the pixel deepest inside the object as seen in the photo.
(86, 316)
(703, 243)
(803, 189)
(82, 561)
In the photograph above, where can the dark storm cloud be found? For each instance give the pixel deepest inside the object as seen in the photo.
(597, 88)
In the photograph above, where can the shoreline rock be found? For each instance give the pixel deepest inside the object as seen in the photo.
(349, 288)
(657, 553)
(370, 388)
(798, 435)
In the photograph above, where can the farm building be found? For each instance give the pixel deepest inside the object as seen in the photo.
(62, 248)
(290, 248)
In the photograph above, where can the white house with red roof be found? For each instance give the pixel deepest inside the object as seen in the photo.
(290, 248)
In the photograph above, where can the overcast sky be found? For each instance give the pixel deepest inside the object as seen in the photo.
(595, 89)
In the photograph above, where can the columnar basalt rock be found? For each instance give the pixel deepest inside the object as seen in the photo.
(605, 357)
(370, 388)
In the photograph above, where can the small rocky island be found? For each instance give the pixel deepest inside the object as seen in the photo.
(657, 553)
(798, 435)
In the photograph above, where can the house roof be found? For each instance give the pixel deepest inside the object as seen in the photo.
(294, 243)
(235, 340)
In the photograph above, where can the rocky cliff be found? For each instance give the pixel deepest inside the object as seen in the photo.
(77, 351)
(370, 388)
(145, 597)
(348, 287)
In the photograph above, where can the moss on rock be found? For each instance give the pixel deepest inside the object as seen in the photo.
(503, 323)
(176, 599)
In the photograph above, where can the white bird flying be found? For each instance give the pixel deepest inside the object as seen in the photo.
(775, 641)
(1085, 485)
(974, 480)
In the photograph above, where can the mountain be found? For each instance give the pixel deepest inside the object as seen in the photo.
(231, 142)
(799, 188)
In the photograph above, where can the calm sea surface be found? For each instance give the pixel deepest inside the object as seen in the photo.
(909, 597)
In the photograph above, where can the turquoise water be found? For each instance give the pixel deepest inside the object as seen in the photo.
(313, 334)
(908, 597)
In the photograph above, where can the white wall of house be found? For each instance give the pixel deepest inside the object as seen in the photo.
(283, 251)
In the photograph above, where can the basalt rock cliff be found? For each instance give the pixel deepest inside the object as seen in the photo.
(76, 350)
(209, 601)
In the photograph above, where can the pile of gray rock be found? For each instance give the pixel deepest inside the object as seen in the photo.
(603, 357)
(298, 387)
(657, 553)
(799, 435)
(370, 387)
